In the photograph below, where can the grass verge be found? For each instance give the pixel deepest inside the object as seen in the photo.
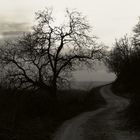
(30, 116)
(131, 115)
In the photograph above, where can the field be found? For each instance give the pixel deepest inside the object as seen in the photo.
(31, 116)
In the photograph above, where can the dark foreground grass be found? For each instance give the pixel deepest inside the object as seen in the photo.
(31, 115)
(131, 115)
(120, 90)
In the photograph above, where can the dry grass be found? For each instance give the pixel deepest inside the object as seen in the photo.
(31, 116)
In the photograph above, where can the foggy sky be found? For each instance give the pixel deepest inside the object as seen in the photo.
(110, 19)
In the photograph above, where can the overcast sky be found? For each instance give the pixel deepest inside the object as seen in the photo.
(110, 19)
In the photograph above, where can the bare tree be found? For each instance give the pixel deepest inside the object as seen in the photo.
(119, 56)
(45, 57)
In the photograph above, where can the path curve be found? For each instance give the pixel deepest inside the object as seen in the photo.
(101, 124)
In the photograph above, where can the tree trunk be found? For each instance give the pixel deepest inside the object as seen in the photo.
(54, 88)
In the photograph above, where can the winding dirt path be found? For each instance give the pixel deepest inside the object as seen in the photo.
(102, 124)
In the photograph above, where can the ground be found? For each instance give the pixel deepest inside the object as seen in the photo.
(102, 124)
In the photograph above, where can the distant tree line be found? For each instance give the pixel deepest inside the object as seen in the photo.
(124, 61)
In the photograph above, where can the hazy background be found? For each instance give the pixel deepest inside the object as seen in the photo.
(110, 19)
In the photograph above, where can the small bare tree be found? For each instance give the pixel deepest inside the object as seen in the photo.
(45, 57)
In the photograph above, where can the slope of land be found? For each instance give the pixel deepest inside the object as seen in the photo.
(102, 124)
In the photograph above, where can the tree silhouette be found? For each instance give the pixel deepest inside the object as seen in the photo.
(119, 56)
(45, 57)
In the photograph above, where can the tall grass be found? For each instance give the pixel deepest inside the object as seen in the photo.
(31, 115)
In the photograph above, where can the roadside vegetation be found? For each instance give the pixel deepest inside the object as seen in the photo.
(29, 115)
(124, 61)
